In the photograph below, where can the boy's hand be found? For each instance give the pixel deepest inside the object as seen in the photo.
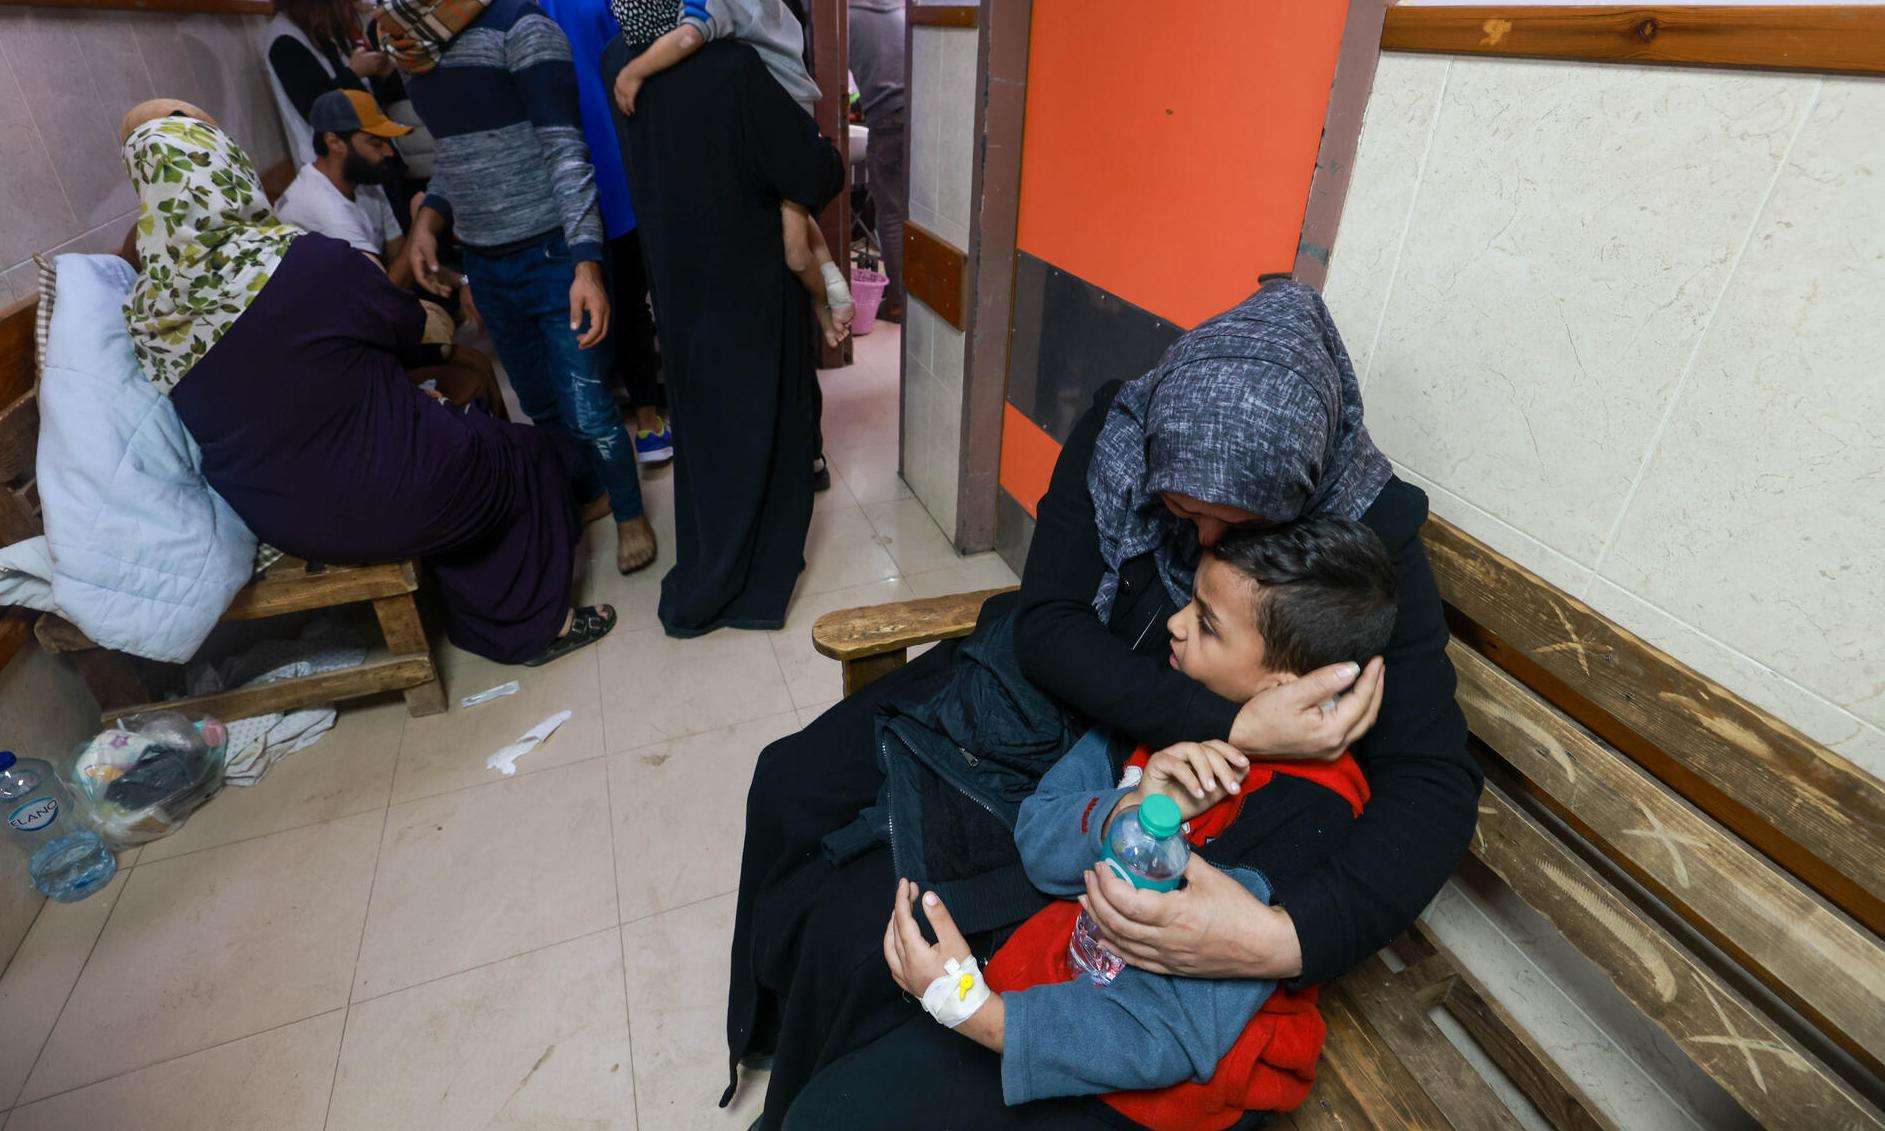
(1197, 775)
(914, 963)
(627, 87)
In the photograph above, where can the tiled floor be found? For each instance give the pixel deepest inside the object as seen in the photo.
(386, 935)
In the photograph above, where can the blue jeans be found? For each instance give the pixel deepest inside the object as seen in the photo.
(524, 298)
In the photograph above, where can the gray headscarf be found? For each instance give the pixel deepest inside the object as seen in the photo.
(1257, 408)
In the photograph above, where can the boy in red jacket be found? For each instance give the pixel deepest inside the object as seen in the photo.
(1168, 1051)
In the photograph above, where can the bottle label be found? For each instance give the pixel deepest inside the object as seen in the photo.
(31, 816)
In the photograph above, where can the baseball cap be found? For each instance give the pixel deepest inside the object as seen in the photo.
(347, 111)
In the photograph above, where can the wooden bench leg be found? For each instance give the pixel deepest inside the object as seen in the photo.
(859, 674)
(405, 636)
(112, 678)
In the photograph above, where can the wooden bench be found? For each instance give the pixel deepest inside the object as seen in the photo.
(289, 586)
(1726, 872)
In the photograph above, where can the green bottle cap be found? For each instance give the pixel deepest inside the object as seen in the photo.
(1159, 816)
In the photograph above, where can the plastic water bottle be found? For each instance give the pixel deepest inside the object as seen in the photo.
(67, 860)
(1145, 847)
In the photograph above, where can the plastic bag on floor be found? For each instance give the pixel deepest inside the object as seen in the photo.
(255, 743)
(143, 777)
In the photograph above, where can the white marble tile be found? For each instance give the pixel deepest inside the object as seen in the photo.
(1574, 227)
(842, 548)
(977, 571)
(1760, 519)
(910, 533)
(279, 1080)
(41, 976)
(655, 687)
(919, 331)
(1502, 536)
(56, 76)
(482, 874)
(680, 814)
(215, 946)
(925, 122)
(869, 469)
(678, 1020)
(37, 215)
(954, 107)
(539, 1040)
(1388, 162)
(810, 677)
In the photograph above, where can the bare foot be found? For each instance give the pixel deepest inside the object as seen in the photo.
(595, 508)
(828, 322)
(634, 544)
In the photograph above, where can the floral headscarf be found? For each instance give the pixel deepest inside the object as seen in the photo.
(1258, 409)
(207, 238)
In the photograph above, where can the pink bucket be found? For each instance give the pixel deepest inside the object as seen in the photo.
(867, 292)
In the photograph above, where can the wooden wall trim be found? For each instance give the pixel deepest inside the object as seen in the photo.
(1341, 134)
(1831, 38)
(220, 7)
(941, 15)
(830, 32)
(935, 272)
(995, 214)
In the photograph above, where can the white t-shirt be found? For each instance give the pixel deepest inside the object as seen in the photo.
(365, 222)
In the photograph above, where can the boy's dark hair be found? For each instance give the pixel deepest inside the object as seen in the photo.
(1328, 590)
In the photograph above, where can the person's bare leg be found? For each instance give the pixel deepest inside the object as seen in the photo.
(837, 291)
(634, 544)
(648, 418)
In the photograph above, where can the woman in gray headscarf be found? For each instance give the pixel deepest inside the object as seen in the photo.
(1253, 417)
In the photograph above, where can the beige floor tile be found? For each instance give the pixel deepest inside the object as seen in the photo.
(446, 752)
(41, 976)
(539, 1040)
(842, 550)
(678, 1019)
(655, 687)
(277, 1081)
(680, 812)
(810, 677)
(977, 571)
(214, 946)
(911, 535)
(349, 771)
(836, 497)
(482, 874)
(868, 466)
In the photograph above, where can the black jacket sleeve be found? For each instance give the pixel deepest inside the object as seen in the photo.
(304, 79)
(1063, 646)
(794, 161)
(1423, 784)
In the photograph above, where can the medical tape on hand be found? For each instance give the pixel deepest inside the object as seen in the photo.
(955, 996)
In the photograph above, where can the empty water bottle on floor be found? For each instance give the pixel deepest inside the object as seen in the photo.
(67, 860)
(1145, 847)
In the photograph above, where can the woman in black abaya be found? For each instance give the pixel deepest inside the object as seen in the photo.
(713, 147)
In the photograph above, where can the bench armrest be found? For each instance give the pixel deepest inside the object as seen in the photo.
(873, 640)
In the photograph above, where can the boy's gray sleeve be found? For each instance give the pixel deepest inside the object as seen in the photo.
(1058, 831)
(713, 19)
(1142, 1031)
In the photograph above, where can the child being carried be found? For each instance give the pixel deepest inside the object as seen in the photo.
(772, 31)
(1267, 606)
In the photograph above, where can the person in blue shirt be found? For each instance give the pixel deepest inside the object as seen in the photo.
(590, 25)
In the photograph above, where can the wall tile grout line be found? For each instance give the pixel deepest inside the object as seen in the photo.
(1407, 224)
(1701, 339)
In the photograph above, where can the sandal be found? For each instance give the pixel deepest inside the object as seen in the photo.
(587, 625)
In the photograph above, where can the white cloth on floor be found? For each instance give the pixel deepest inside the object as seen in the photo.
(256, 743)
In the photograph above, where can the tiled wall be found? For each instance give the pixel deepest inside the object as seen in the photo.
(942, 145)
(1623, 324)
(66, 78)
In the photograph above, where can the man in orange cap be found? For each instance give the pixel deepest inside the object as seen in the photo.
(338, 194)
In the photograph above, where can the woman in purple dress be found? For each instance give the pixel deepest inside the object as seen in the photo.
(282, 352)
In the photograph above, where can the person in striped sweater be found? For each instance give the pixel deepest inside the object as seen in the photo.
(512, 177)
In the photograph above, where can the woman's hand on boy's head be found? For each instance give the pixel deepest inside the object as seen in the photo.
(914, 963)
(1196, 775)
(1318, 716)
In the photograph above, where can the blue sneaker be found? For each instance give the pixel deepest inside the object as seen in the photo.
(654, 447)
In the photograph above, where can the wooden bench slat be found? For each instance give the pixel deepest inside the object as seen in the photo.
(1394, 1005)
(1814, 812)
(289, 588)
(853, 634)
(1815, 959)
(19, 438)
(1359, 1082)
(1754, 1060)
(386, 673)
(18, 370)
